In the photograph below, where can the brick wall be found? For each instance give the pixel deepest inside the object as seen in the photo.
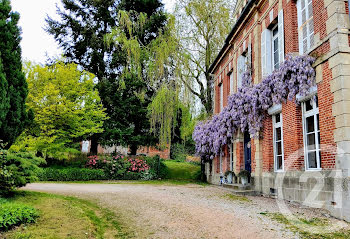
(291, 112)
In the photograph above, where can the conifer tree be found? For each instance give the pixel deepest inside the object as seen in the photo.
(13, 87)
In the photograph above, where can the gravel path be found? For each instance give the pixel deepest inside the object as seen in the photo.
(186, 211)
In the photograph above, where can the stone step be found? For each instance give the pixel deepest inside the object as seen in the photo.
(237, 186)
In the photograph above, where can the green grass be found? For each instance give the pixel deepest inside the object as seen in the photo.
(308, 228)
(66, 217)
(233, 197)
(182, 170)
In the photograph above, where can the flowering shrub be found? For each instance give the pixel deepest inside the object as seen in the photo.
(94, 162)
(137, 165)
(246, 108)
(120, 167)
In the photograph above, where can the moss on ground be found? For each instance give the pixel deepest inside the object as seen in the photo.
(233, 197)
(308, 228)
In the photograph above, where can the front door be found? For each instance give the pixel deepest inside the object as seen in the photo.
(247, 152)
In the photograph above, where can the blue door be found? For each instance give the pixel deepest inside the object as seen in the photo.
(247, 152)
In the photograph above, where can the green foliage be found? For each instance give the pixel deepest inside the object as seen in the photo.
(178, 152)
(67, 109)
(71, 174)
(125, 96)
(128, 123)
(158, 168)
(16, 170)
(182, 170)
(163, 114)
(13, 87)
(201, 27)
(15, 214)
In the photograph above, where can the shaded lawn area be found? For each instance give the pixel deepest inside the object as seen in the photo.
(65, 217)
(182, 170)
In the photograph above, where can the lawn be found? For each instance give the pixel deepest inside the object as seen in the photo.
(182, 170)
(66, 217)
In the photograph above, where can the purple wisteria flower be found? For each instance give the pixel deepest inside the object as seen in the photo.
(246, 108)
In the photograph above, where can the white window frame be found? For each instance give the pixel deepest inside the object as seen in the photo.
(275, 126)
(231, 147)
(231, 84)
(241, 68)
(220, 163)
(305, 26)
(314, 112)
(221, 96)
(267, 39)
(274, 38)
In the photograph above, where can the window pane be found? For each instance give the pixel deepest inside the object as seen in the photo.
(278, 134)
(279, 162)
(311, 32)
(303, 15)
(311, 142)
(316, 99)
(318, 122)
(279, 148)
(308, 105)
(312, 159)
(310, 9)
(310, 124)
(278, 118)
(319, 138)
(275, 31)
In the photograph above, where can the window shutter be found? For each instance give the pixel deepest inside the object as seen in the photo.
(263, 54)
(281, 36)
(310, 24)
(266, 52)
(249, 58)
(239, 71)
(300, 30)
(231, 84)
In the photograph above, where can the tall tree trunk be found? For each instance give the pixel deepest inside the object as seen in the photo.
(133, 149)
(94, 144)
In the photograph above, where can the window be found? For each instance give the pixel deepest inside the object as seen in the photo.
(311, 130)
(231, 84)
(231, 156)
(278, 142)
(241, 68)
(275, 50)
(272, 46)
(305, 25)
(221, 97)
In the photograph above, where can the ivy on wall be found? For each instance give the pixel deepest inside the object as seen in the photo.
(246, 108)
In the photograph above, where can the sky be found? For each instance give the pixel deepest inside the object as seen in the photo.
(36, 43)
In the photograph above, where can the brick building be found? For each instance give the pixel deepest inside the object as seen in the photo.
(302, 153)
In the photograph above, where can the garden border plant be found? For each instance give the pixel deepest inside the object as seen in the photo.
(247, 108)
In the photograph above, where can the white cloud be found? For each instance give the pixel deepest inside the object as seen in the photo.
(36, 43)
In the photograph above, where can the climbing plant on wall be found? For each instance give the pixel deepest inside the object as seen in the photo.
(246, 108)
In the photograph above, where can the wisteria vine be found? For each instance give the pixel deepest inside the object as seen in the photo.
(246, 108)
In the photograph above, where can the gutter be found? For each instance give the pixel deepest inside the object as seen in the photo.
(245, 11)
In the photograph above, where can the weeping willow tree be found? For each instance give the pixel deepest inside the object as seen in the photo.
(153, 63)
(163, 112)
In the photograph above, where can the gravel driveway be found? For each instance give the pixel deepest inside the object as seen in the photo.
(185, 211)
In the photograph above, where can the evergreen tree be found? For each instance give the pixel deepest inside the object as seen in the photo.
(81, 32)
(13, 89)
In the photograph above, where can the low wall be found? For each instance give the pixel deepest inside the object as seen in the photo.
(319, 189)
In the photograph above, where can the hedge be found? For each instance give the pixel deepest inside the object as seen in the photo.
(71, 174)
